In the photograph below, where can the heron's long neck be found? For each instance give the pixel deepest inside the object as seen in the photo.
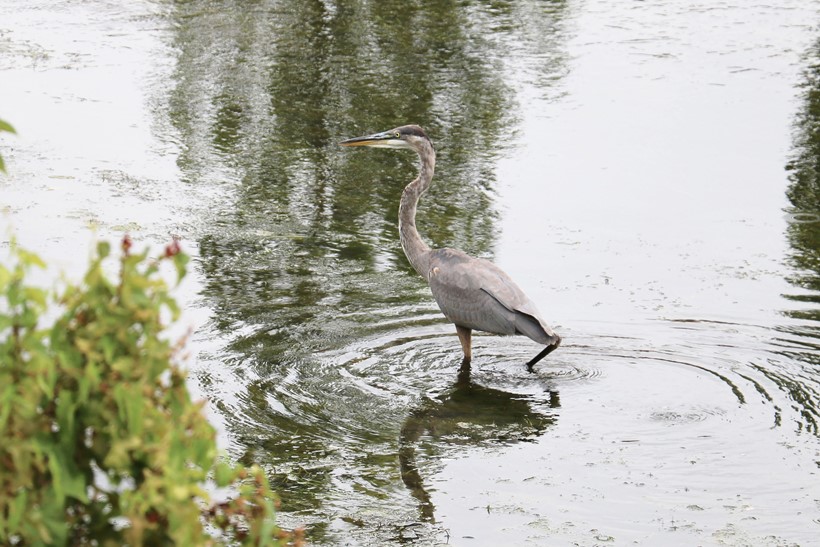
(415, 248)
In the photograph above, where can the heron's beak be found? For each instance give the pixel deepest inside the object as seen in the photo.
(385, 139)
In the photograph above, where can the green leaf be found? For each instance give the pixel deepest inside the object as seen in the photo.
(109, 346)
(6, 402)
(17, 509)
(5, 126)
(65, 417)
(268, 525)
(181, 265)
(67, 480)
(5, 277)
(36, 295)
(130, 409)
(224, 474)
(55, 466)
(28, 258)
(52, 527)
(103, 249)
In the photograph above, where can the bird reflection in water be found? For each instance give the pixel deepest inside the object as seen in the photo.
(468, 414)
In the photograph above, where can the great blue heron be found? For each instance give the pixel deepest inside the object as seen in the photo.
(472, 293)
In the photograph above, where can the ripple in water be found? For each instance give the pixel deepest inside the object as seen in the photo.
(371, 425)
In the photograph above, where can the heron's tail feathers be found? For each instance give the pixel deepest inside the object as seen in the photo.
(535, 329)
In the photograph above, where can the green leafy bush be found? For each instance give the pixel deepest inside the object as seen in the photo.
(4, 126)
(99, 438)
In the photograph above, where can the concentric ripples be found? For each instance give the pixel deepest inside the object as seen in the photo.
(370, 421)
(687, 419)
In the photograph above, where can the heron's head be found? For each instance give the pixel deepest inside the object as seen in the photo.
(409, 137)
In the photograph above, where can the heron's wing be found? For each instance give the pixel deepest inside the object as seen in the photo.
(477, 294)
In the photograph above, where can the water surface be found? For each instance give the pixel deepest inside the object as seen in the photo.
(648, 173)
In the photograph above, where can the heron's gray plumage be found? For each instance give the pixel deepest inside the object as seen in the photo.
(472, 293)
(477, 294)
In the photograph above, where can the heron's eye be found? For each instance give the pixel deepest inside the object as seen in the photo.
(397, 135)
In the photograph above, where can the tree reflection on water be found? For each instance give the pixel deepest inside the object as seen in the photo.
(801, 339)
(300, 250)
(804, 195)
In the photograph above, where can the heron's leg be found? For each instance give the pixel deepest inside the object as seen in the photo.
(544, 352)
(464, 337)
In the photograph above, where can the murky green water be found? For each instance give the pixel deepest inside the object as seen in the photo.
(647, 172)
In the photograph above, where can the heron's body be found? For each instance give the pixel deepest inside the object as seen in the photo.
(472, 293)
(478, 295)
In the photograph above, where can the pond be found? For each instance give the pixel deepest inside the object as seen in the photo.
(646, 171)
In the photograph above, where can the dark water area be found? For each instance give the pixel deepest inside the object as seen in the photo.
(648, 173)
